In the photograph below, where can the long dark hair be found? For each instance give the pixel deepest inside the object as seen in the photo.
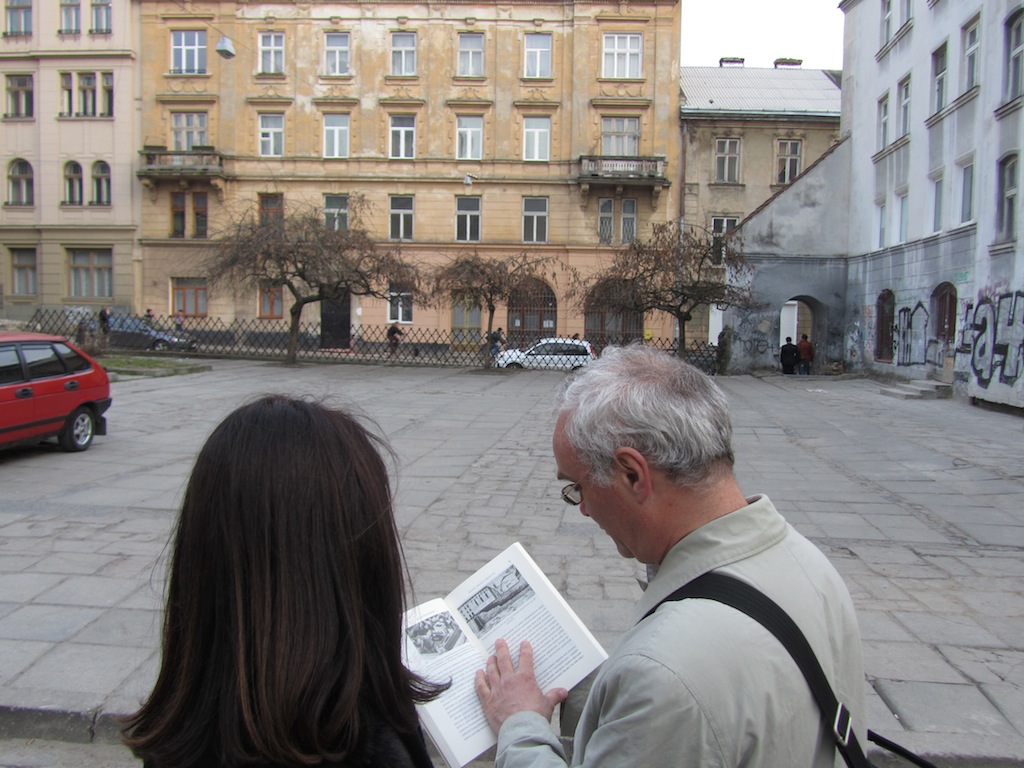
(282, 634)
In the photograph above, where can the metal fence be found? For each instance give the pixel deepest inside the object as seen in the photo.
(269, 339)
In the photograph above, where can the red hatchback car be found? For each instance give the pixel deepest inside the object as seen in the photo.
(49, 387)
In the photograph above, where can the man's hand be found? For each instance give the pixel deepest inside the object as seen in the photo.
(503, 690)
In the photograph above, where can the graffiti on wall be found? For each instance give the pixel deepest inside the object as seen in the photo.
(911, 336)
(993, 329)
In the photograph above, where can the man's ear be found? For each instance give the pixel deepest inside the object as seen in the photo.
(634, 472)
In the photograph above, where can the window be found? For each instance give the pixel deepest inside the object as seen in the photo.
(885, 326)
(271, 53)
(92, 273)
(23, 262)
(788, 162)
(271, 209)
(336, 48)
(535, 219)
(271, 135)
(605, 220)
(72, 183)
(538, 56)
(401, 208)
(399, 304)
(177, 214)
(200, 214)
(883, 122)
(336, 211)
(19, 18)
(70, 17)
(937, 205)
(471, 54)
(721, 226)
(403, 137)
(100, 183)
(188, 52)
(403, 53)
(1015, 57)
(86, 95)
(621, 55)
(271, 302)
(727, 161)
(101, 17)
(537, 138)
(188, 130)
(336, 135)
(939, 79)
(971, 45)
(67, 97)
(1006, 218)
(628, 220)
(469, 137)
(20, 183)
(904, 94)
(904, 217)
(467, 219)
(188, 295)
(107, 95)
(882, 213)
(19, 96)
(967, 193)
(620, 136)
(886, 21)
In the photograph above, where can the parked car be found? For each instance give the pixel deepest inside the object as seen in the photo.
(132, 332)
(552, 354)
(50, 388)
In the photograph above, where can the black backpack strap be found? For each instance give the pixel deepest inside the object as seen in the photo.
(758, 606)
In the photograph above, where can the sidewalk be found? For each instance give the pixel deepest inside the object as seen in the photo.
(920, 504)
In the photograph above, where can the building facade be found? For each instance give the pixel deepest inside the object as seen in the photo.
(69, 152)
(485, 127)
(747, 134)
(920, 271)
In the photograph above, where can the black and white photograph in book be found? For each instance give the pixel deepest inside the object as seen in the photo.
(436, 635)
(497, 599)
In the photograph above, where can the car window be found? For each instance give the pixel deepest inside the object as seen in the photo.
(10, 365)
(74, 361)
(543, 349)
(42, 361)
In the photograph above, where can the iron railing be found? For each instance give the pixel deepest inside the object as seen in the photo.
(368, 344)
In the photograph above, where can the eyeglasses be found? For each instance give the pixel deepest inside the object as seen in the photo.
(572, 494)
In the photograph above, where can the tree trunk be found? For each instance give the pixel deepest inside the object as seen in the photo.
(681, 351)
(488, 357)
(293, 333)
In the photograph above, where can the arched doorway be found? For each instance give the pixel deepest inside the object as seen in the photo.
(532, 313)
(603, 326)
(795, 319)
(944, 312)
(885, 326)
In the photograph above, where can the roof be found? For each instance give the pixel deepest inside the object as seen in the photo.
(746, 90)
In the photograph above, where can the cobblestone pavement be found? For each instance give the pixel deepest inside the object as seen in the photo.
(918, 503)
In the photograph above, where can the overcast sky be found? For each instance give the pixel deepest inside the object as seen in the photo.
(761, 31)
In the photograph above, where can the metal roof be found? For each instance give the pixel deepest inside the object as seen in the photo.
(785, 90)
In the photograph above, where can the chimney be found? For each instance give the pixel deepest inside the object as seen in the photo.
(731, 61)
(783, 63)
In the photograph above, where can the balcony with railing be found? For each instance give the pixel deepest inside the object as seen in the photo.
(621, 171)
(190, 164)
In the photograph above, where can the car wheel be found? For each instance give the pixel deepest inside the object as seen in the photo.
(78, 431)
(514, 365)
(160, 345)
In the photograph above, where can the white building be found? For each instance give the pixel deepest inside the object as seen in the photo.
(905, 240)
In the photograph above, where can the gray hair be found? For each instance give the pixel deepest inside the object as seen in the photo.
(642, 398)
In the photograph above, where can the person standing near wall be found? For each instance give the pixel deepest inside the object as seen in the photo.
(789, 356)
(806, 350)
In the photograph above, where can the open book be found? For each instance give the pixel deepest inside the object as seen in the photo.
(451, 638)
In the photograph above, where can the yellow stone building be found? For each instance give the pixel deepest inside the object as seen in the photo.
(497, 127)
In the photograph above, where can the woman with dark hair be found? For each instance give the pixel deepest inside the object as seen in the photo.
(282, 639)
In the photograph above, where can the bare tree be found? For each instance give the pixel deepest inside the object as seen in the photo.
(676, 270)
(477, 281)
(312, 260)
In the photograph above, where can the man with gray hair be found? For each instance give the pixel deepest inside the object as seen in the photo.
(644, 442)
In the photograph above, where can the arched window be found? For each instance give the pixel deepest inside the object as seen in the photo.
(19, 183)
(100, 183)
(604, 325)
(1015, 56)
(532, 313)
(72, 183)
(885, 320)
(944, 312)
